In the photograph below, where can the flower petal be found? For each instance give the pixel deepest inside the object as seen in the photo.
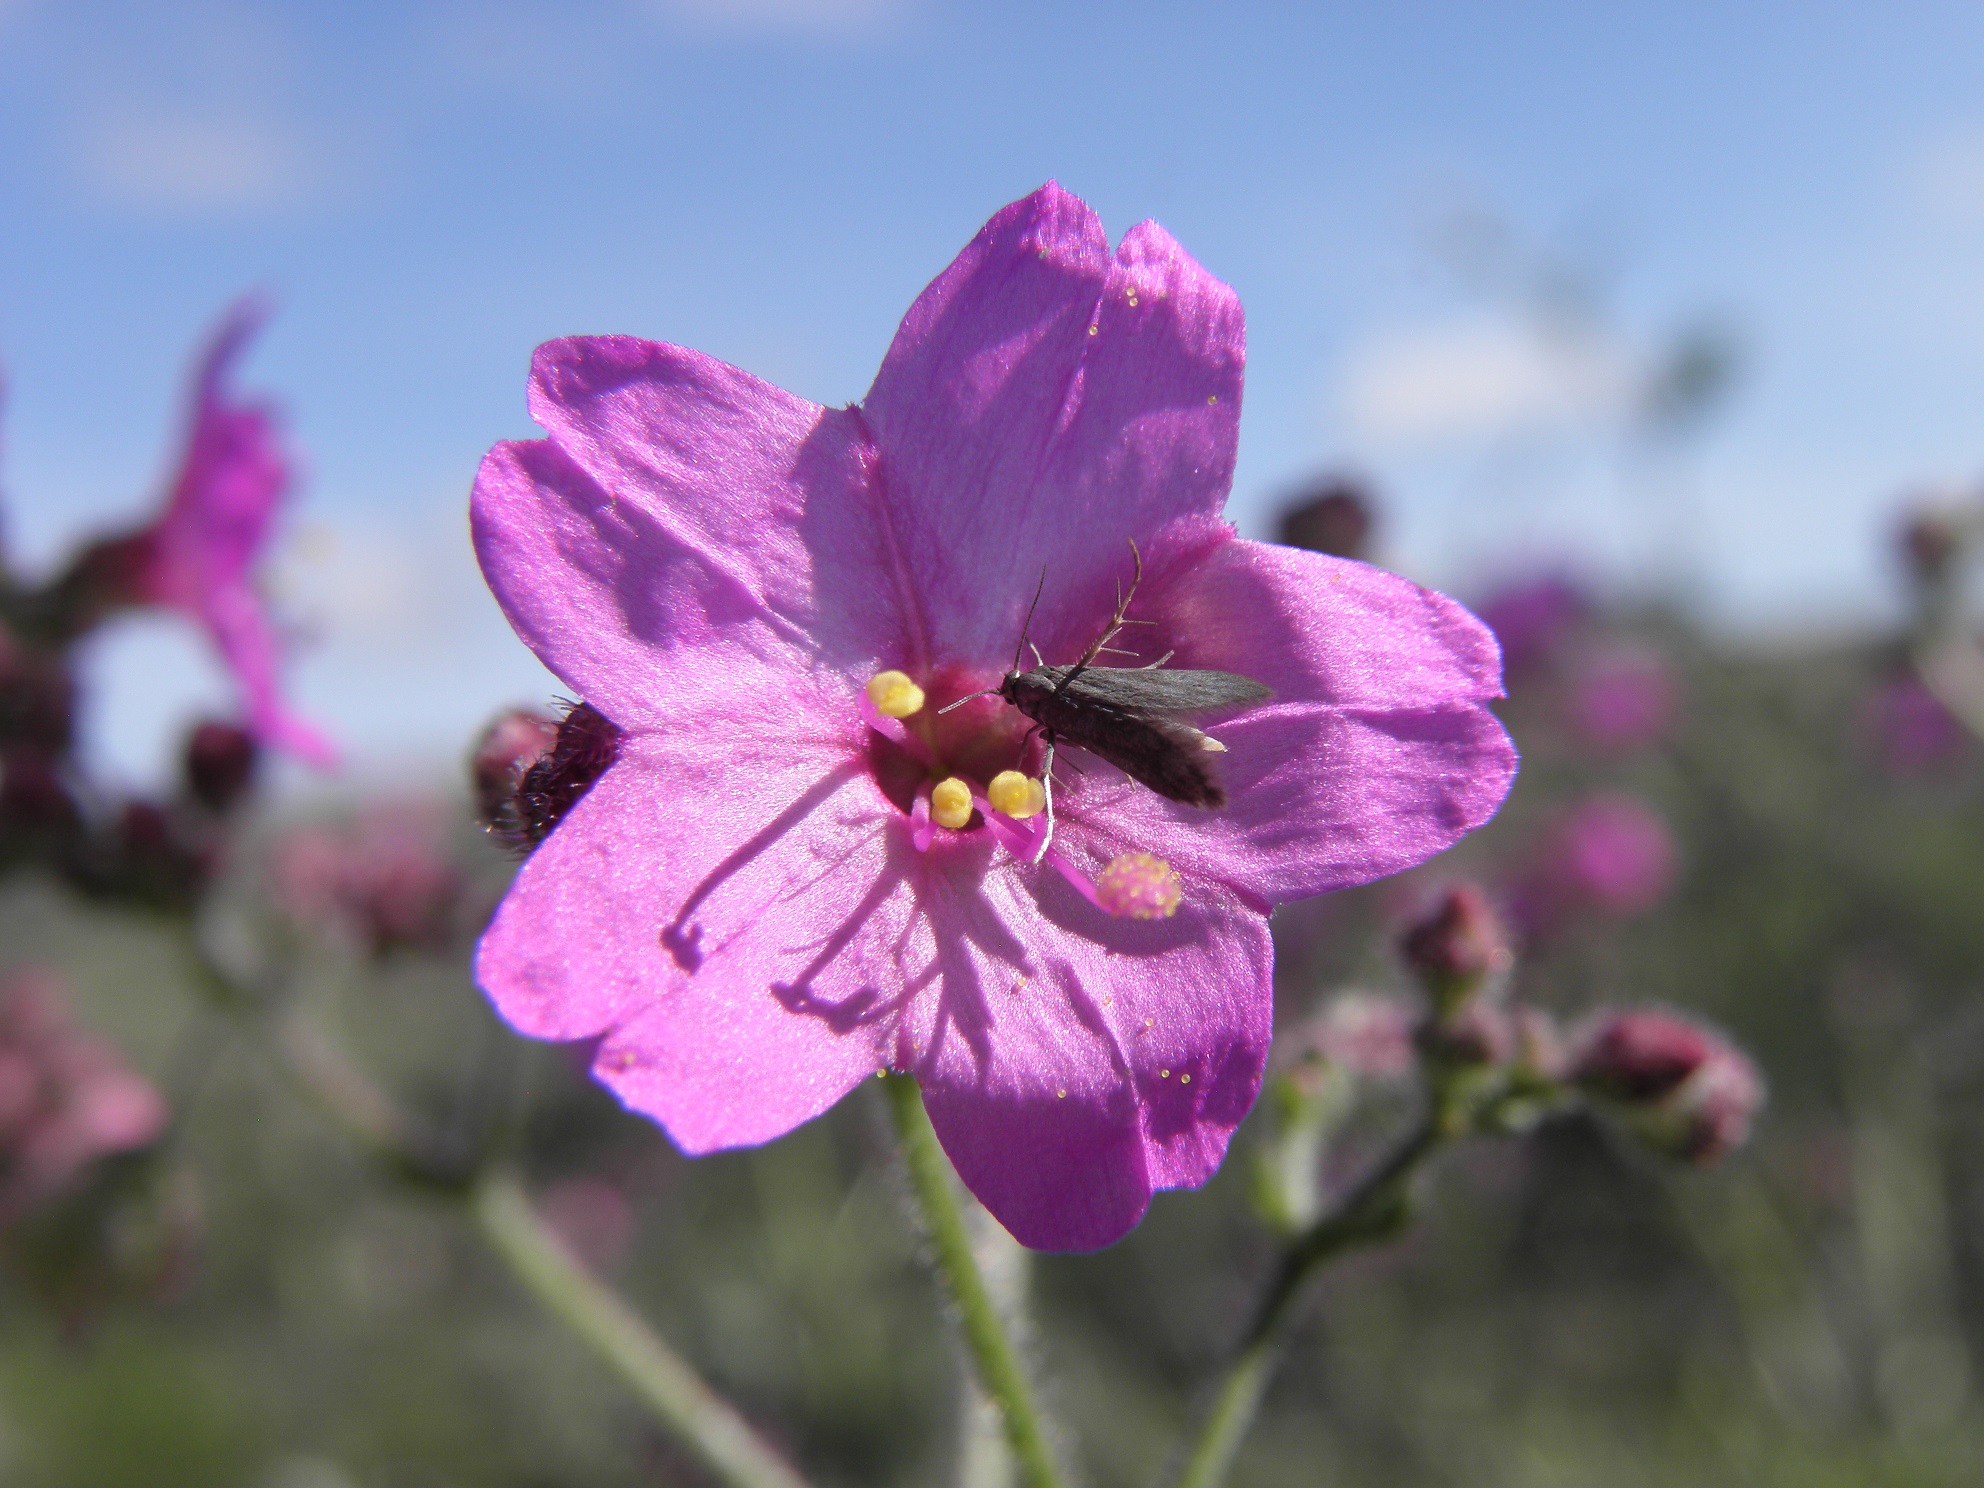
(731, 933)
(1042, 404)
(230, 480)
(234, 616)
(771, 494)
(1377, 753)
(1074, 1063)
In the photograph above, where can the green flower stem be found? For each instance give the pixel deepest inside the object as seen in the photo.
(665, 1384)
(325, 1074)
(1370, 1209)
(992, 1349)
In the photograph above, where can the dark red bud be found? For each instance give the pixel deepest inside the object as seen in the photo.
(220, 764)
(1455, 949)
(509, 746)
(37, 701)
(1481, 1032)
(1333, 517)
(547, 785)
(1930, 543)
(1689, 1091)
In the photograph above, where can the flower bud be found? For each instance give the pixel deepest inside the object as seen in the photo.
(1686, 1089)
(1457, 948)
(509, 746)
(219, 765)
(1333, 517)
(549, 782)
(1931, 540)
(37, 701)
(1478, 1032)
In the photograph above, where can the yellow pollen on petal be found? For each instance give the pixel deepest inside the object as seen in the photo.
(1015, 794)
(950, 803)
(1139, 886)
(894, 695)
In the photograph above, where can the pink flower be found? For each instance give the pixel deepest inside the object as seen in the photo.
(1624, 698)
(1911, 730)
(67, 1099)
(1532, 619)
(198, 556)
(758, 904)
(1611, 853)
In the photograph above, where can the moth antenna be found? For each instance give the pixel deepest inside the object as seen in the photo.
(1027, 624)
(989, 692)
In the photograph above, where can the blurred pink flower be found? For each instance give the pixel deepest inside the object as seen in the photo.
(1532, 619)
(1688, 1089)
(1909, 728)
(197, 557)
(755, 904)
(381, 882)
(67, 1098)
(1611, 853)
(1623, 698)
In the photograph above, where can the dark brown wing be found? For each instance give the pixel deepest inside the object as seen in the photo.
(1159, 689)
(1164, 754)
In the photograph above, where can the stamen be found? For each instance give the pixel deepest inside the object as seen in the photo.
(1139, 886)
(1019, 796)
(894, 695)
(950, 802)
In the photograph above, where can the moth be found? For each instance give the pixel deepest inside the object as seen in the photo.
(1133, 717)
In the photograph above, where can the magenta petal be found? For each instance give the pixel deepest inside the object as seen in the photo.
(231, 479)
(1377, 752)
(691, 461)
(1073, 1064)
(733, 945)
(1042, 404)
(241, 632)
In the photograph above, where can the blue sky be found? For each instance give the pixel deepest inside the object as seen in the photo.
(431, 189)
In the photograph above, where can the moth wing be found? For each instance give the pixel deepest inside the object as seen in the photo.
(1158, 690)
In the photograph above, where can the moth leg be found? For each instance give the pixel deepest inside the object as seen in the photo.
(1116, 622)
(1047, 790)
(1151, 666)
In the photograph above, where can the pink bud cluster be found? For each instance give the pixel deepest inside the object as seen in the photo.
(67, 1098)
(379, 883)
(1687, 1089)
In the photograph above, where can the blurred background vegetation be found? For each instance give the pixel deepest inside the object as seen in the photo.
(249, 1303)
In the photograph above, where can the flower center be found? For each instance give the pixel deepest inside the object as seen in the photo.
(931, 762)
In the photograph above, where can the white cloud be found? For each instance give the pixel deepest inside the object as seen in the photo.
(1479, 378)
(194, 163)
(1946, 176)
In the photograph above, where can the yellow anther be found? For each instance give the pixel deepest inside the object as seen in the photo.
(894, 695)
(1016, 794)
(1139, 887)
(950, 803)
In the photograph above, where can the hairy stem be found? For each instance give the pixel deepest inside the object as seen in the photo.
(1368, 1210)
(993, 1352)
(698, 1417)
